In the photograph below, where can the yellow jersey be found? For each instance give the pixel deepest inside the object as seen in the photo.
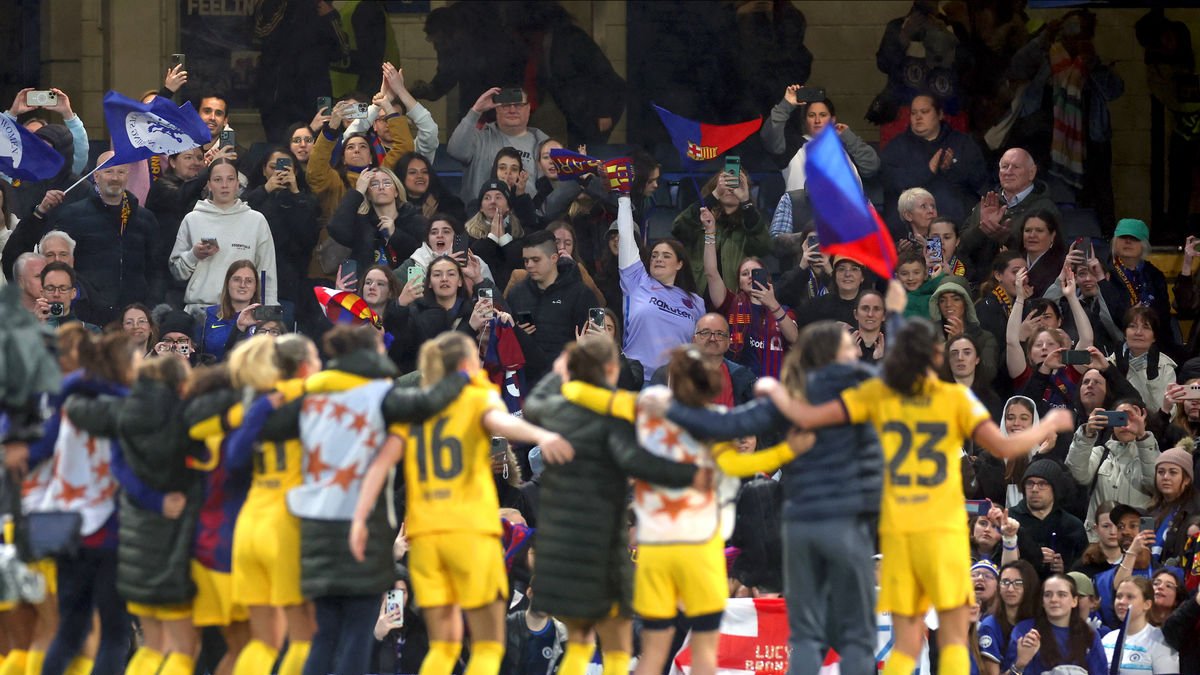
(922, 438)
(448, 467)
(278, 466)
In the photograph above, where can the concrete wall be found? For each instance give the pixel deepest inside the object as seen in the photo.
(90, 46)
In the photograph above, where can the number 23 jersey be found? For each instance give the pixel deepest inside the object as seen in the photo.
(448, 468)
(922, 438)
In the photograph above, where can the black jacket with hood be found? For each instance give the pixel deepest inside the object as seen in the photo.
(558, 311)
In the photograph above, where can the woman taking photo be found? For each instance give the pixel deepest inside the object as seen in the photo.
(737, 230)
(1143, 649)
(1016, 601)
(947, 231)
(1038, 371)
(375, 222)
(424, 190)
(918, 210)
(220, 230)
(291, 211)
(227, 321)
(1104, 553)
(760, 328)
(445, 305)
(660, 297)
(330, 180)
(440, 239)
(1044, 251)
(1058, 636)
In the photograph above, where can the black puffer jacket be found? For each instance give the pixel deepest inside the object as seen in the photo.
(153, 551)
(582, 565)
(360, 232)
(295, 230)
(326, 566)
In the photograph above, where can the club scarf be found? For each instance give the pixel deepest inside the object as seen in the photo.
(742, 323)
(1005, 301)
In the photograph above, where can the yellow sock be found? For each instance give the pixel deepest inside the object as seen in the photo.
(33, 662)
(80, 665)
(577, 658)
(899, 663)
(178, 663)
(954, 660)
(485, 658)
(293, 660)
(256, 658)
(14, 663)
(441, 658)
(145, 661)
(616, 663)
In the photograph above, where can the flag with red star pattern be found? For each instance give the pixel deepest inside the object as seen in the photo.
(80, 478)
(341, 432)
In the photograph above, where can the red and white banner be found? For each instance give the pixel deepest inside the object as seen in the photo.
(754, 641)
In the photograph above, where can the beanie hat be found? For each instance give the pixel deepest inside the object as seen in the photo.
(59, 137)
(497, 185)
(1180, 458)
(178, 322)
(1048, 470)
(988, 565)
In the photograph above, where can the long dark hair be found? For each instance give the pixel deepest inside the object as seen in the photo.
(435, 184)
(1079, 634)
(911, 355)
(1029, 598)
(1052, 223)
(258, 177)
(816, 347)
(684, 278)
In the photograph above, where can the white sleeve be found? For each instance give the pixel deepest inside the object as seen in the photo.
(1166, 660)
(183, 261)
(627, 249)
(265, 254)
(426, 142)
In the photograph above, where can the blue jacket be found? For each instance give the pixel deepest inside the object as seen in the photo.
(841, 476)
(214, 334)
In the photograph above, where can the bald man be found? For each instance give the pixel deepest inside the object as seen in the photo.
(995, 219)
(712, 337)
(114, 238)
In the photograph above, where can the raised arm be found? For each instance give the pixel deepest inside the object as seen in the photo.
(989, 436)
(627, 249)
(800, 412)
(716, 285)
(1014, 354)
(749, 419)
(388, 456)
(1082, 323)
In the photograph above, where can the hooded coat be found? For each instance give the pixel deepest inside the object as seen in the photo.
(987, 342)
(241, 233)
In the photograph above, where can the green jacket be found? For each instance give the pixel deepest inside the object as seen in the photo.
(741, 234)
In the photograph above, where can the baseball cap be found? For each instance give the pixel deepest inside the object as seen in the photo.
(1083, 585)
(613, 229)
(1132, 227)
(1121, 510)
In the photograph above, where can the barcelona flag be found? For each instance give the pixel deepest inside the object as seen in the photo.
(572, 165)
(699, 142)
(346, 307)
(847, 223)
(619, 173)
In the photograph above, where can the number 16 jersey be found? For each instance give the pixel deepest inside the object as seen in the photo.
(922, 438)
(448, 468)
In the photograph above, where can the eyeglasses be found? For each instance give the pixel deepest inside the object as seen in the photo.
(242, 281)
(1165, 583)
(380, 184)
(1039, 484)
(134, 323)
(269, 331)
(1012, 583)
(513, 105)
(707, 334)
(302, 139)
(58, 289)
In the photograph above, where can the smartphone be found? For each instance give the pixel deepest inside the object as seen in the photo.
(358, 111)
(268, 313)
(283, 163)
(1076, 357)
(211, 241)
(810, 95)
(41, 98)
(512, 95)
(499, 447)
(178, 60)
(1146, 523)
(349, 266)
(812, 241)
(460, 243)
(486, 293)
(416, 275)
(760, 277)
(733, 166)
(324, 104)
(394, 602)
(1116, 418)
(933, 249)
(228, 138)
(596, 316)
(524, 317)
(1192, 392)
(978, 507)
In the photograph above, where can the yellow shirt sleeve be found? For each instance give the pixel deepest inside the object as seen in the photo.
(972, 412)
(620, 403)
(858, 401)
(741, 465)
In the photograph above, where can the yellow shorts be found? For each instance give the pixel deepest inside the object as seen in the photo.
(457, 568)
(266, 559)
(213, 604)
(924, 568)
(160, 612)
(668, 575)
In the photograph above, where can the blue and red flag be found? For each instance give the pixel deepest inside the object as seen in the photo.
(700, 142)
(572, 165)
(344, 307)
(847, 223)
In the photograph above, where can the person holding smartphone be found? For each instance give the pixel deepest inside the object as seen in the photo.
(1122, 469)
(738, 229)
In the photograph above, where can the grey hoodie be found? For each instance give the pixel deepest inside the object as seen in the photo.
(241, 233)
